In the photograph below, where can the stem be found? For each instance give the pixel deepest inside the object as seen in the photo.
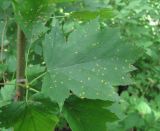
(34, 90)
(2, 40)
(2, 45)
(27, 59)
(20, 76)
(3, 84)
(40, 76)
(27, 94)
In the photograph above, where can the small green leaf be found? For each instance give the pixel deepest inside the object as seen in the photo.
(33, 15)
(33, 70)
(7, 94)
(89, 15)
(88, 115)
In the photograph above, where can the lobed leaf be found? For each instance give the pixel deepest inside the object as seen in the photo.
(89, 64)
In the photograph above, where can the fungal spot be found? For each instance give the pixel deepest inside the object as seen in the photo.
(102, 81)
(93, 69)
(94, 44)
(83, 93)
(95, 58)
(98, 70)
(82, 87)
(97, 93)
(97, 65)
(81, 81)
(76, 52)
(89, 78)
(116, 68)
(82, 97)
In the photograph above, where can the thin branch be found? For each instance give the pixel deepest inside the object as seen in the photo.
(3, 84)
(20, 74)
(2, 44)
(2, 39)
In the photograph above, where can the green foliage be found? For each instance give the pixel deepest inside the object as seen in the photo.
(73, 65)
(30, 116)
(84, 115)
(88, 15)
(7, 94)
(78, 54)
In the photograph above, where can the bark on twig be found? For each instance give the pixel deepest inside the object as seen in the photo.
(20, 74)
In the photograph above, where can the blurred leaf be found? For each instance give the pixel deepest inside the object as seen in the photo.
(89, 15)
(30, 116)
(33, 70)
(7, 93)
(85, 114)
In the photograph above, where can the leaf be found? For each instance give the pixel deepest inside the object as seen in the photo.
(5, 4)
(33, 70)
(31, 116)
(7, 94)
(88, 115)
(11, 63)
(96, 4)
(33, 15)
(89, 15)
(89, 63)
(3, 32)
(60, 93)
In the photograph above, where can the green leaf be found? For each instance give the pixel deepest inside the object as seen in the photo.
(33, 15)
(31, 116)
(89, 15)
(88, 115)
(75, 66)
(33, 70)
(11, 63)
(2, 68)
(3, 32)
(5, 4)
(95, 4)
(7, 94)
(60, 92)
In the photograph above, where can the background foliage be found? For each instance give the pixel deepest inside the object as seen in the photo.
(78, 57)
